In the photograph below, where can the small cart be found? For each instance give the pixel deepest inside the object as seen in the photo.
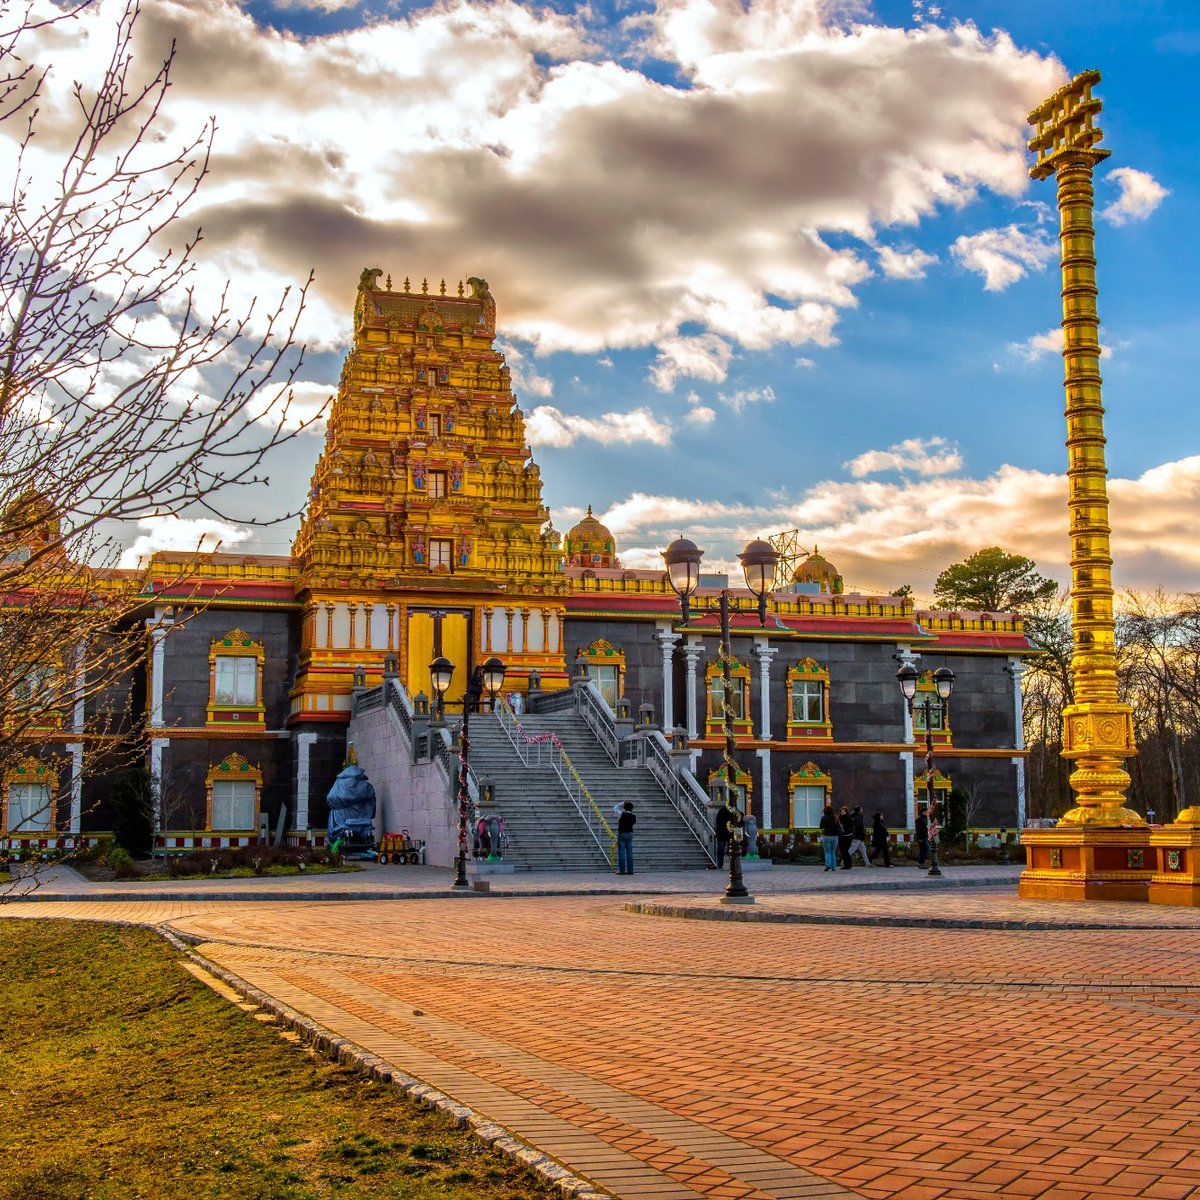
(400, 848)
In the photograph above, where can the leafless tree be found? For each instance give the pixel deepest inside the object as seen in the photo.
(124, 392)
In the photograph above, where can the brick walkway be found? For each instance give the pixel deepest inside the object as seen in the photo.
(677, 1058)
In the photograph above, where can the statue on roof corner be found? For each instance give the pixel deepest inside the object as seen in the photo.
(370, 278)
(479, 288)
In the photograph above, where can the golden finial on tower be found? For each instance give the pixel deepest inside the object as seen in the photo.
(461, 289)
(424, 287)
(407, 285)
(389, 281)
(443, 287)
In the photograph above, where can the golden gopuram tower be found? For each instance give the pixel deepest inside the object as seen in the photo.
(425, 532)
(1100, 849)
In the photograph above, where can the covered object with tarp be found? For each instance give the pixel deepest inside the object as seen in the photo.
(352, 812)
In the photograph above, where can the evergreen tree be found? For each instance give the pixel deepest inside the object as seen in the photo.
(992, 580)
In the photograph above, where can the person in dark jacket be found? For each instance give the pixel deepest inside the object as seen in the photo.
(625, 824)
(858, 843)
(845, 836)
(721, 829)
(921, 831)
(879, 842)
(829, 837)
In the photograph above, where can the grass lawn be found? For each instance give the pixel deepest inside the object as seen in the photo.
(125, 1077)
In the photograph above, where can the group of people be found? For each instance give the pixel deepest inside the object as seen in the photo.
(844, 835)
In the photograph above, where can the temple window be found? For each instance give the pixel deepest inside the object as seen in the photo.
(742, 789)
(234, 787)
(739, 699)
(235, 680)
(441, 553)
(810, 790)
(437, 484)
(33, 698)
(808, 701)
(606, 666)
(435, 425)
(29, 789)
(938, 709)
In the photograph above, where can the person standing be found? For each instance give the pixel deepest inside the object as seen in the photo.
(845, 836)
(829, 837)
(879, 841)
(625, 824)
(858, 842)
(721, 829)
(921, 832)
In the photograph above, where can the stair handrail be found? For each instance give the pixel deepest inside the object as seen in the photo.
(591, 705)
(449, 759)
(399, 701)
(532, 749)
(682, 790)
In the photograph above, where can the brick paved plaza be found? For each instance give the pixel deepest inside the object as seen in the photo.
(664, 1057)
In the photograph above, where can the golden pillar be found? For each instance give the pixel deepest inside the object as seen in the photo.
(1097, 727)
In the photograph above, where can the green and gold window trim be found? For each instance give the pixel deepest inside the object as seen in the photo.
(743, 787)
(233, 792)
(941, 788)
(235, 681)
(30, 794)
(939, 711)
(810, 789)
(714, 720)
(808, 703)
(606, 667)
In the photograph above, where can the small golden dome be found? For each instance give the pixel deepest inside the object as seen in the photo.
(817, 569)
(591, 544)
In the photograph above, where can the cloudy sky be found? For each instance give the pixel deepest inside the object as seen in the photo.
(758, 266)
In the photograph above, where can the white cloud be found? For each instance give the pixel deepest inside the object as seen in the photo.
(933, 456)
(881, 535)
(1003, 256)
(168, 532)
(302, 403)
(701, 415)
(899, 264)
(710, 207)
(1140, 195)
(525, 378)
(547, 426)
(744, 396)
(704, 357)
(804, 363)
(1035, 348)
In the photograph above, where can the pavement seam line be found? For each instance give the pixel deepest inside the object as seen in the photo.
(348, 1053)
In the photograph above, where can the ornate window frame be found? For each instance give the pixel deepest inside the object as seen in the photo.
(808, 670)
(236, 644)
(233, 768)
(942, 786)
(603, 655)
(714, 719)
(809, 775)
(942, 732)
(743, 786)
(36, 772)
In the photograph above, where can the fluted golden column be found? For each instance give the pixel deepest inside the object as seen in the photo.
(1098, 728)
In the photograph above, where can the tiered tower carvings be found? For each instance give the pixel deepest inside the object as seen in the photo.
(425, 492)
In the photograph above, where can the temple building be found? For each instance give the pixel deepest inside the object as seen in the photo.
(425, 534)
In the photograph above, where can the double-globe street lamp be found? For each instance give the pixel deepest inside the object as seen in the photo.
(441, 671)
(943, 681)
(758, 560)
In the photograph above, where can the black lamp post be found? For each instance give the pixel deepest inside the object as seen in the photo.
(758, 561)
(441, 670)
(943, 681)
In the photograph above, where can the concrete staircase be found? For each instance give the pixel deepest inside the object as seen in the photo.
(545, 832)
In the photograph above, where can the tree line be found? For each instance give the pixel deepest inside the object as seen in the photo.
(1158, 676)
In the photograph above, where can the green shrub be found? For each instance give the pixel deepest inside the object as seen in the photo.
(120, 862)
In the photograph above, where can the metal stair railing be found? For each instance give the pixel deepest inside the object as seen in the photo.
(547, 748)
(551, 702)
(399, 701)
(591, 706)
(682, 790)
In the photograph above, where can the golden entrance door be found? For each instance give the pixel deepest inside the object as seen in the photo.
(434, 631)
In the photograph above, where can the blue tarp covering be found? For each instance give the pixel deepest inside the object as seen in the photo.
(352, 806)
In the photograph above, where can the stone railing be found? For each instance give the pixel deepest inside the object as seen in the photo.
(681, 788)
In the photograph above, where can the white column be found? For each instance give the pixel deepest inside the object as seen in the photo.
(765, 758)
(666, 639)
(304, 742)
(76, 787)
(764, 653)
(691, 653)
(904, 655)
(1016, 668)
(157, 746)
(159, 626)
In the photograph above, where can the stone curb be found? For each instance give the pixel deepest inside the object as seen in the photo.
(350, 1054)
(767, 917)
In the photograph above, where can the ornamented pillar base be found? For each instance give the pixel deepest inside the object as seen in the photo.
(1176, 850)
(1082, 862)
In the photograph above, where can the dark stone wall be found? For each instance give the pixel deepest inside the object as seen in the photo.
(865, 705)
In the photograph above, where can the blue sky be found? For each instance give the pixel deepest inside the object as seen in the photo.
(757, 267)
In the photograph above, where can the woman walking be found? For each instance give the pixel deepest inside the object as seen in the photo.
(829, 837)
